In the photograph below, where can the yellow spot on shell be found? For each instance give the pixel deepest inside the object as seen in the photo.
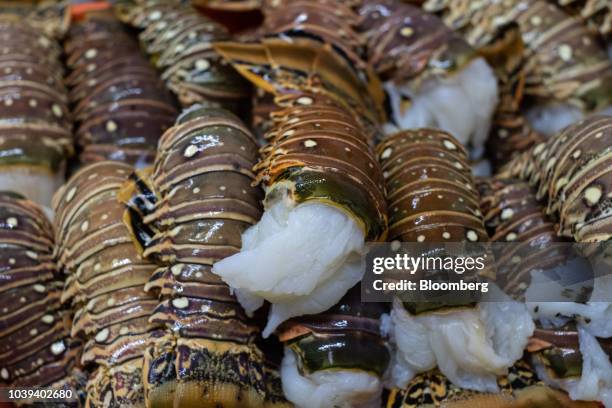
(58, 348)
(180, 303)
(407, 31)
(565, 52)
(102, 335)
(593, 194)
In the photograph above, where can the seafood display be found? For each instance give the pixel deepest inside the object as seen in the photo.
(432, 198)
(121, 107)
(323, 200)
(204, 350)
(234, 203)
(105, 284)
(431, 74)
(33, 107)
(567, 71)
(569, 172)
(36, 348)
(179, 41)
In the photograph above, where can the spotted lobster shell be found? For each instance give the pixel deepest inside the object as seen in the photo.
(520, 388)
(36, 350)
(565, 61)
(35, 123)
(405, 43)
(431, 195)
(105, 285)
(229, 5)
(179, 41)
(513, 214)
(597, 13)
(571, 172)
(121, 105)
(430, 191)
(295, 51)
(319, 153)
(203, 350)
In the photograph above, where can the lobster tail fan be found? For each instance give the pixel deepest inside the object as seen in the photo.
(276, 65)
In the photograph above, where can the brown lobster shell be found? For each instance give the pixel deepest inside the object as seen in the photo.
(52, 17)
(36, 350)
(105, 285)
(319, 152)
(571, 172)
(35, 123)
(202, 350)
(521, 388)
(565, 62)
(430, 191)
(513, 214)
(404, 42)
(120, 104)
(179, 41)
(597, 13)
(296, 51)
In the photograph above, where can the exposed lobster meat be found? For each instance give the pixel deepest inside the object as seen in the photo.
(433, 77)
(567, 71)
(336, 357)
(432, 198)
(197, 202)
(105, 285)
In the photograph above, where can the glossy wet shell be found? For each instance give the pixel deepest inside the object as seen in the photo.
(205, 353)
(179, 41)
(571, 67)
(295, 49)
(120, 104)
(36, 350)
(407, 44)
(105, 285)
(571, 171)
(597, 13)
(319, 152)
(513, 214)
(35, 124)
(430, 192)
(519, 389)
(346, 337)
